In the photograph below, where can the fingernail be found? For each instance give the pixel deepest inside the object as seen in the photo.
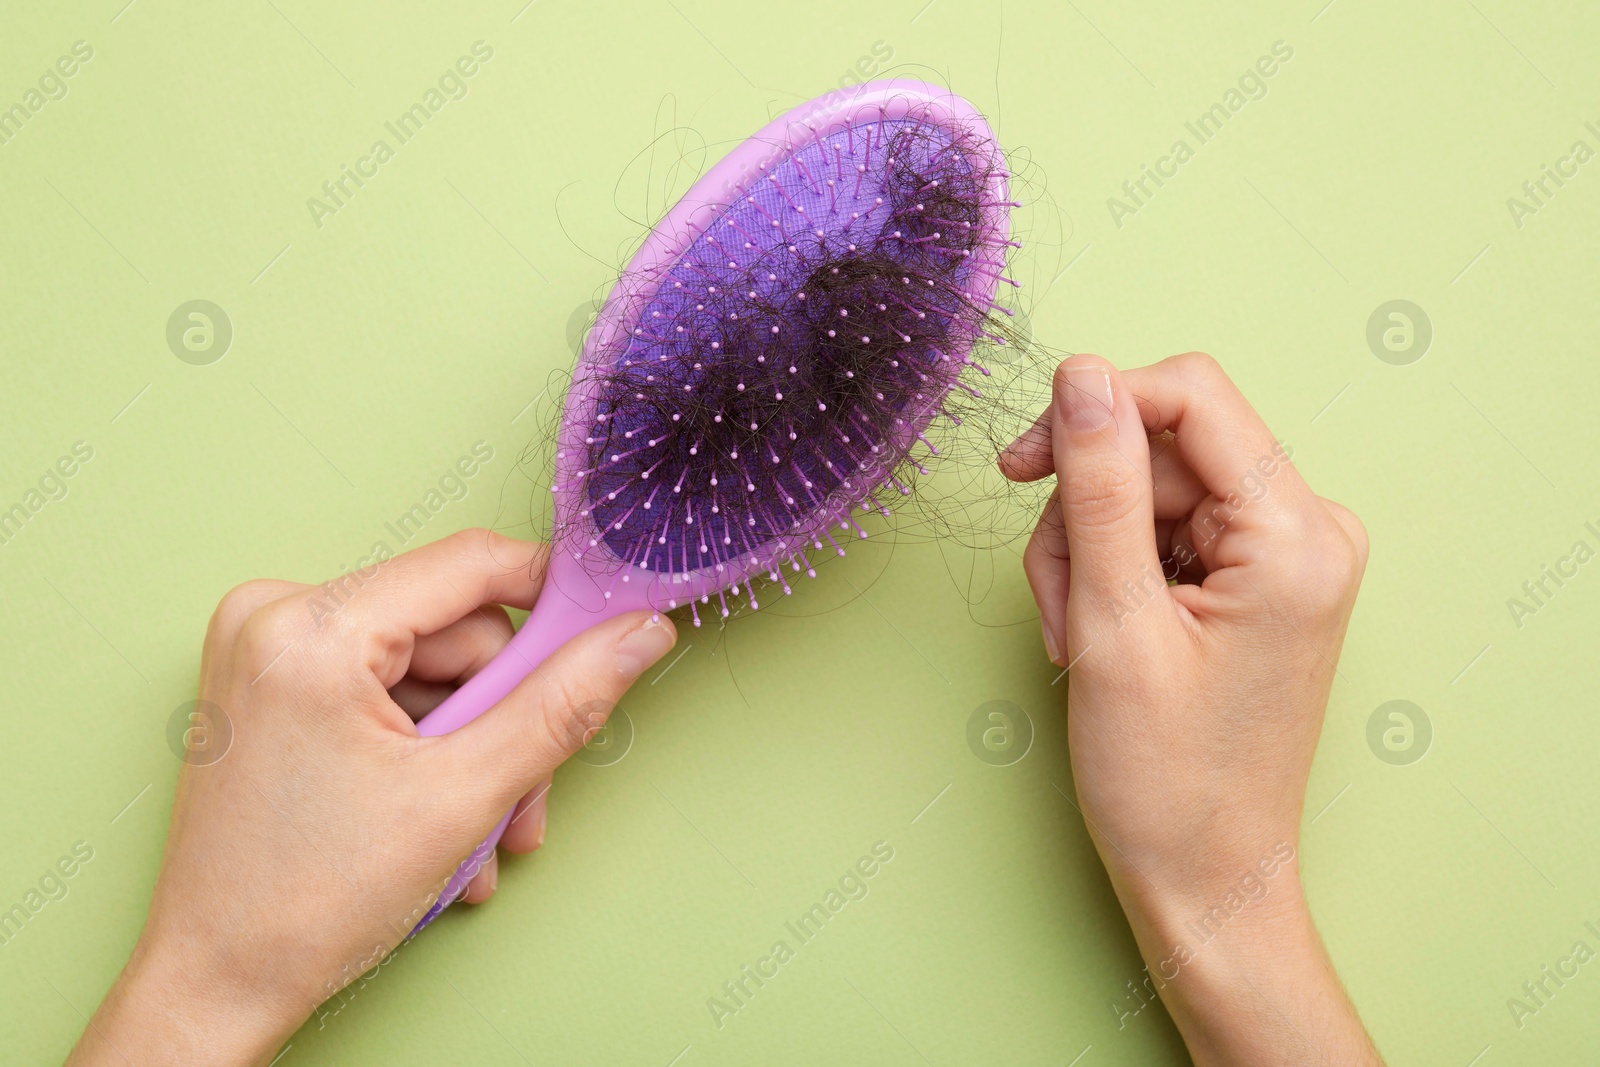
(643, 645)
(1084, 399)
(1052, 648)
(494, 875)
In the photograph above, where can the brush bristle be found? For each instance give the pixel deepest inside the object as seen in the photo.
(779, 371)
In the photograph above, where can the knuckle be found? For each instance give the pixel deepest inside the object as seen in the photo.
(1354, 529)
(1035, 556)
(1209, 521)
(1361, 542)
(1048, 542)
(497, 620)
(1345, 559)
(1200, 373)
(1197, 366)
(238, 603)
(1040, 567)
(1100, 493)
(572, 715)
(265, 634)
(468, 542)
(1329, 572)
(378, 646)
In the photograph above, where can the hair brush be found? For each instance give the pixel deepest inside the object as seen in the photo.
(764, 366)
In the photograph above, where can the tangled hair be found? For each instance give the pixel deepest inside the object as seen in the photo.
(808, 351)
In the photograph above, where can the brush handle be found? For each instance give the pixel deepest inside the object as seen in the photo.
(555, 619)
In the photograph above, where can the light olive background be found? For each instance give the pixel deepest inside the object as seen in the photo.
(371, 352)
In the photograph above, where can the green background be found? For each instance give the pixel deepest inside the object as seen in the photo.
(427, 314)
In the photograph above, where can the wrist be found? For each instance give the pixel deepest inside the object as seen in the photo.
(1235, 987)
(171, 1004)
(1242, 970)
(1194, 942)
(1195, 901)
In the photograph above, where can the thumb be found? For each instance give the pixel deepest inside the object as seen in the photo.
(556, 709)
(1102, 461)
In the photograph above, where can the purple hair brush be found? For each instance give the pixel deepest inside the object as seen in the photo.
(763, 367)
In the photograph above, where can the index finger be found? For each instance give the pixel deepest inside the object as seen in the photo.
(422, 591)
(1221, 437)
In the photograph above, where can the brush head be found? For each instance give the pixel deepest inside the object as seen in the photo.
(778, 346)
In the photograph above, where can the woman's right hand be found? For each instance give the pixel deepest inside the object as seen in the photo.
(1194, 708)
(306, 849)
